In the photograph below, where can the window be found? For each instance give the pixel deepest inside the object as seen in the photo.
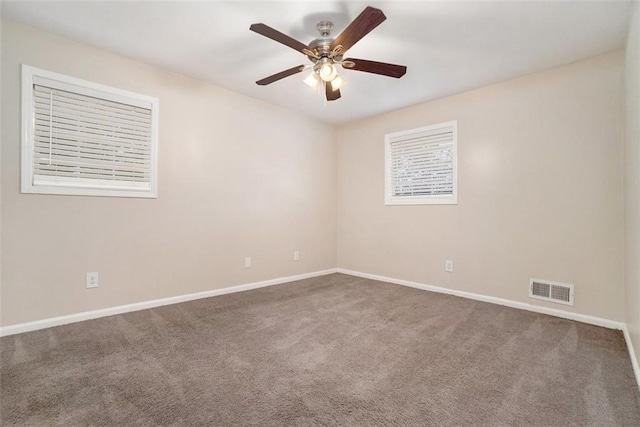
(421, 166)
(83, 138)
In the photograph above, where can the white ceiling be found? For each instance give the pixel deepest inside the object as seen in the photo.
(448, 47)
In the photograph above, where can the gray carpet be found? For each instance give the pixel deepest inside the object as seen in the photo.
(329, 351)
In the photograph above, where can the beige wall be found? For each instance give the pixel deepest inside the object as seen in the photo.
(540, 191)
(237, 177)
(632, 180)
(1, 208)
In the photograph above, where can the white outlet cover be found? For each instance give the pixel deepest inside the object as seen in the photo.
(247, 262)
(448, 265)
(296, 255)
(92, 280)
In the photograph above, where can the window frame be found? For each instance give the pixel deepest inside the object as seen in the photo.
(392, 200)
(30, 76)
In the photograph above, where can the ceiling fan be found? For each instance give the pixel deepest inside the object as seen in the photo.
(326, 53)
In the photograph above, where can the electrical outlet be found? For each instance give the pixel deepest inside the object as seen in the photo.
(247, 262)
(296, 255)
(448, 265)
(92, 280)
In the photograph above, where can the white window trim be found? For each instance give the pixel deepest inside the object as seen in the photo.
(421, 200)
(29, 76)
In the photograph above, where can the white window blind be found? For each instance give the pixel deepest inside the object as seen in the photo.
(88, 139)
(421, 165)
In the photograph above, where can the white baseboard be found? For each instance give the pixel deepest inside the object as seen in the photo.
(78, 317)
(632, 354)
(612, 324)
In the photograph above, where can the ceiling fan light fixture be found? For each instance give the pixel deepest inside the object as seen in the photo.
(336, 83)
(327, 72)
(312, 79)
(327, 52)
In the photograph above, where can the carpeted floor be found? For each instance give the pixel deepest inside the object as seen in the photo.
(330, 351)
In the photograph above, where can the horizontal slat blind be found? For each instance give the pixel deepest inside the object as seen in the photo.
(91, 142)
(421, 163)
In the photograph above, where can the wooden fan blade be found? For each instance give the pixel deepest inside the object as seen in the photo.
(280, 75)
(276, 35)
(332, 95)
(382, 68)
(369, 19)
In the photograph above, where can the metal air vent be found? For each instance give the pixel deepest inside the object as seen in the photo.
(547, 290)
